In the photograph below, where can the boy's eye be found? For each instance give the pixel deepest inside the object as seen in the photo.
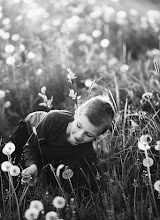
(90, 135)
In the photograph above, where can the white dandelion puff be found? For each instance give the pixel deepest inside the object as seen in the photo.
(9, 148)
(31, 214)
(51, 216)
(59, 202)
(148, 162)
(157, 186)
(5, 166)
(14, 170)
(37, 205)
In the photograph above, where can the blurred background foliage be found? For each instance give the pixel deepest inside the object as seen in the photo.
(111, 42)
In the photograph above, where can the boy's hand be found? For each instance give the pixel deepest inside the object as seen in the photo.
(29, 175)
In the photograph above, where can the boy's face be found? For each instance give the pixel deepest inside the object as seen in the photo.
(82, 131)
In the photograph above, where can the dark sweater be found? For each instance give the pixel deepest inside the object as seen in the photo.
(50, 143)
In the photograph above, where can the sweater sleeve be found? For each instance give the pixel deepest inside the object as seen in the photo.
(32, 149)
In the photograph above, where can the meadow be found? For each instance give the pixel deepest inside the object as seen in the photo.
(55, 55)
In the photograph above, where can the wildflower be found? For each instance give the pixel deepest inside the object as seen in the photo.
(147, 96)
(9, 148)
(5, 35)
(124, 68)
(21, 47)
(72, 94)
(58, 169)
(14, 170)
(43, 90)
(37, 205)
(96, 33)
(88, 83)
(71, 76)
(148, 162)
(2, 94)
(67, 174)
(145, 139)
(31, 55)
(113, 62)
(157, 186)
(5, 166)
(31, 214)
(143, 146)
(10, 60)
(9, 48)
(82, 37)
(59, 202)
(157, 146)
(7, 104)
(15, 37)
(51, 216)
(104, 43)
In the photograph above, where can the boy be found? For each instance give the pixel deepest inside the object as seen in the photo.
(63, 136)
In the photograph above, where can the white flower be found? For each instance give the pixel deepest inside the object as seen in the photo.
(157, 186)
(157, 146)
(70, 76)
(31, 55)
(5, 36)
(148, 162)
(5, 166)
(67, 174)
(21, 47)
(124, 68)
(96, 33)
(143, 146)
(10, 60)
(9, 148)
(88, 83)
(31, 214)
(146, 139)
(2, 94)
(15, 37)
(104, 43)
(113, 61)
(14, 170)
(37, 205)
(72, 94)
(43, 90)
(51, 216)
(9, 48)
(7, 104)
(82, 37)
(59, 202)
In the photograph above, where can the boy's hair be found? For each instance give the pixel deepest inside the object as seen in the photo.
(99, 111)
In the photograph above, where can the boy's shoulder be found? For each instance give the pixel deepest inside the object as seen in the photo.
(59, 113)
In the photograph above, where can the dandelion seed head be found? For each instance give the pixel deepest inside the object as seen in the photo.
(10, 60)
(31, 214)
(2, 94)
(51, 216)
(5, 166)
(9, 148)
(14, 170)
(59, 202)
(143, 146)
(148, 162)
(157, 186)
(37, 205)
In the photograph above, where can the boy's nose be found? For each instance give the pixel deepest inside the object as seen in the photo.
(80, 135)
